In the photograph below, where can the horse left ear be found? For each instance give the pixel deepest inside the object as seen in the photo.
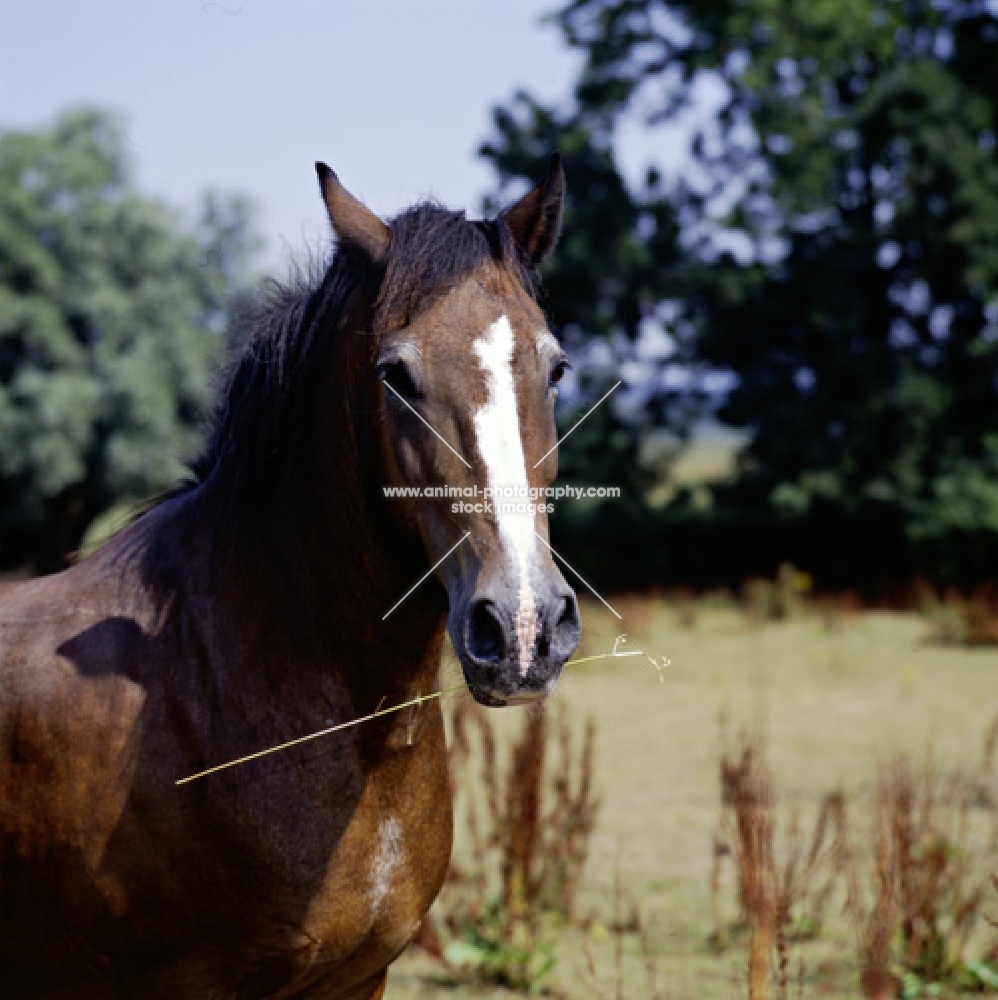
(535, 220)
(352, 221)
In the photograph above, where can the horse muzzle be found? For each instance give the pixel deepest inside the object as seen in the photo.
(511, 655)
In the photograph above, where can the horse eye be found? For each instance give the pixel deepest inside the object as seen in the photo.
(559, 370)
(396, 375)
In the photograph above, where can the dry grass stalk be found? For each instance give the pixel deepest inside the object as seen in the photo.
(627, 919)
(529, 820)
(930, 885)
(780, 599)
(687, 609)
(574, 809)
(875, 928)
(970, 620)
(935, 839)
(540, 809)
(517, 823)
(782, 894)
(916, 911)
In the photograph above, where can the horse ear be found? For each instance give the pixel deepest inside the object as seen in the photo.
(353, 222)
(535, 220)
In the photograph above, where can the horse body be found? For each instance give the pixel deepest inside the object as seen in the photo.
(249, 608)
(112, 882)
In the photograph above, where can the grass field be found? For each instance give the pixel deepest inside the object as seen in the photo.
(833, 693)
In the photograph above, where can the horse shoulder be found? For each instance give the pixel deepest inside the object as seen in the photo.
(68, 707)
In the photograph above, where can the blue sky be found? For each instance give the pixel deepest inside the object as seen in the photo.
(244, 95)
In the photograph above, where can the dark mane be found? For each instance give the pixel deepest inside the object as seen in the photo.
(295, 339)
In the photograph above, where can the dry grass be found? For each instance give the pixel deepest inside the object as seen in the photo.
(777, 600)
(835, 689)
(540, 806)
(934, 849)
(915, 893)
(783, 880)
(529, 820)
(966, 619)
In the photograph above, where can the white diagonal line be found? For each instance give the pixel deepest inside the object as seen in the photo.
(428, 424)
(575, 571)
(428, 572)
(558, 442)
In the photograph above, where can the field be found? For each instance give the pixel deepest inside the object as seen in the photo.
(834, 693)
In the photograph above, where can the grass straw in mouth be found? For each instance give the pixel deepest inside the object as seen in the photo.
(659, 663)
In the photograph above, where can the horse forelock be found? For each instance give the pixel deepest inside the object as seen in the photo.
(432, 249)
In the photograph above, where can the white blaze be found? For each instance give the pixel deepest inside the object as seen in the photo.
(497, 430)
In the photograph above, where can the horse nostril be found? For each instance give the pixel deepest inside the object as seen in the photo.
(569, 614)
(565, 634)
(485, 633)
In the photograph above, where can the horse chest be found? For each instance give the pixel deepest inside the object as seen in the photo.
(365, 905)
(388, 869)
(371, 906)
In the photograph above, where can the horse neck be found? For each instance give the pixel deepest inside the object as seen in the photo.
(322, 571)
(298, 542)
(356, 570)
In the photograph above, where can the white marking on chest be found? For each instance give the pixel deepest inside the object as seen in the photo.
(497, 431)
(387, 860)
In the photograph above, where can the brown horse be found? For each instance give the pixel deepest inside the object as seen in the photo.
(252, 606)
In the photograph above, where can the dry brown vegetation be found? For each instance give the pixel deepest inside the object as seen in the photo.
(783, 883)
(967, 619)
(529, 821)
(864, 736)
(915, 889)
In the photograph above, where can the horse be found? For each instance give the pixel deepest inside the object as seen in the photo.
(277, 591)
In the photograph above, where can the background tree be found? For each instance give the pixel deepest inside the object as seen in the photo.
(610, 290)
(111, 311)
(851, 164)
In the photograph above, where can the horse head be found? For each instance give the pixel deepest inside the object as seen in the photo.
(465, 386)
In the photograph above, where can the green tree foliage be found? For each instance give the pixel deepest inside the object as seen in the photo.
(851, 173)
(111, 312)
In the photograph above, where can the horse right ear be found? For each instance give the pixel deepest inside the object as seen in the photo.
(352, 221)
(535, 220)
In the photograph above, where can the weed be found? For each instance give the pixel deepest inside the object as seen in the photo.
(529, 823)
(969, 620)
(835, 611)
(783, 890)
(917, 903)
(930, 886)
(627, 920)
(687, 610)
(776, 600)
